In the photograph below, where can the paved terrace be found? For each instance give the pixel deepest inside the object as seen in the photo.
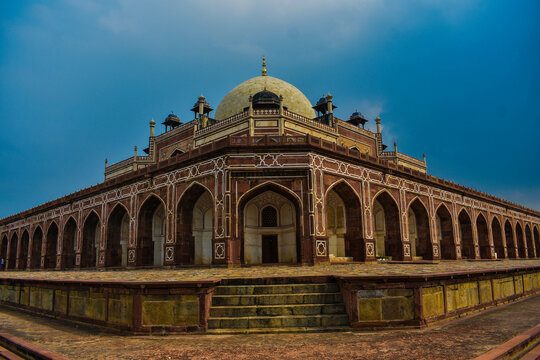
(199, 273)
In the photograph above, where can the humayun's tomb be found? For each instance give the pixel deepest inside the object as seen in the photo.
(269, 178)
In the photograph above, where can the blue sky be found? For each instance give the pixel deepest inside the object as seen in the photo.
(80, 80)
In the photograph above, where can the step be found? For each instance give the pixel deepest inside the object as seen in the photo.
(276, 299)
(340, 259)
(278, 330)
(276, 289)
(276, 310)
(296, 321)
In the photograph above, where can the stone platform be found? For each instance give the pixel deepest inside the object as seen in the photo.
(271, 298)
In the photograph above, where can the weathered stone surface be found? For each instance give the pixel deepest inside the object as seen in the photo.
(171, 310)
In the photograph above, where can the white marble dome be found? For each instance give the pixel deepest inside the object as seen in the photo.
(238, 98)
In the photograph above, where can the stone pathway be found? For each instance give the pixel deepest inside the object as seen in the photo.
(461, 339)
(196, 273)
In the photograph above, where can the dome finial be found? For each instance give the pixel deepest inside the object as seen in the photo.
(264, 67)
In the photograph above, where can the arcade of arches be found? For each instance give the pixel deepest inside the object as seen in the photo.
(271, 227)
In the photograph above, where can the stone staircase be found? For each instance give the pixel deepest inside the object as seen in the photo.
(256, 308)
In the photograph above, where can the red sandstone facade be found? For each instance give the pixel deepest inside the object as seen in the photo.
(259, 150)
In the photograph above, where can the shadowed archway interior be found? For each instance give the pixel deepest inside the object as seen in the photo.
(90, 241)
(466, 236)
(37, 243)
(387, 224)
(23, 250)
(497, 238)
(117, 238)
(445, 234)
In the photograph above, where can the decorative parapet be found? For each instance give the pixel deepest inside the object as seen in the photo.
(403, 159)
(220, 124)
(311, 122)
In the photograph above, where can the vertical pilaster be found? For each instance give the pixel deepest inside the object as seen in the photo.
(132, 237)
(17, 253)
(103, 234)
(368, 224)
(404, 223)
(503, 237)
(222, 252)
(457, 230)
(78, 239)
(435, 241)
(169, 253)
(60, 261)
(490, 236)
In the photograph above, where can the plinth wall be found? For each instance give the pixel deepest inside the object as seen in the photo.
(381, 301)
(128, 307)
(418, 300)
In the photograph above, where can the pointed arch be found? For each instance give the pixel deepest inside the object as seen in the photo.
(12, 256)
(271, 184)
(51, 246)
(445, 232)
(387, 226)
(496, 231)
(151, 231)
(91, 235)
(353, 241)
(37, 243)
(510, 240)
(466, 235)
(23, 250)
(520, 240)
(117, 236)
(194, 243)
(483, 237)
(253, 247)
(529, 241)
(419, 232)
(69, 239)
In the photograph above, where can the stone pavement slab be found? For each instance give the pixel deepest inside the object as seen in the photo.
(199, 273)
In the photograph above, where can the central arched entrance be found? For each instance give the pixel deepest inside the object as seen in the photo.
(343, 219)
(269, 223)
(387, 229)
(269, 230)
